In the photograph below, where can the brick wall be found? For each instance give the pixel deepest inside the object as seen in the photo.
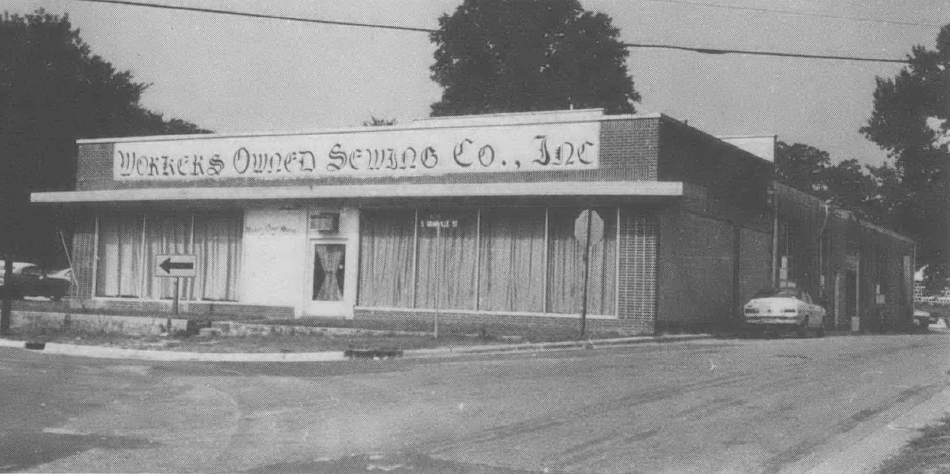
(628, 151)
(637, 276)
(696, 271)
(94, 166)
(205, 309)
(84, 254)
(732, 176)
(619, 326)
(755, 257)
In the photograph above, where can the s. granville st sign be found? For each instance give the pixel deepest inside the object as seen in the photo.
(363, 153)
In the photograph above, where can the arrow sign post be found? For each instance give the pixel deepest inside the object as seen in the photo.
(177, 267)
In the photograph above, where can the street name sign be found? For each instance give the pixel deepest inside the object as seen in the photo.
(176, 266)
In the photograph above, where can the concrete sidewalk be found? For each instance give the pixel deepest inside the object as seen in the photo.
(328, 356)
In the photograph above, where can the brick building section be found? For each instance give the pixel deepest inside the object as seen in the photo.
(680, 261)
(637, 249)
(714, 243)
(83, 258)
(473, 321)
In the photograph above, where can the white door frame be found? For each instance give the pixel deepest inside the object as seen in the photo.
(348, 235)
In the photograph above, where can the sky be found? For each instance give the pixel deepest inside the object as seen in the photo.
(232, 74)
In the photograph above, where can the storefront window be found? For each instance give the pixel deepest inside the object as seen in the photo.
(217, 243)
(126, 262)
(446, 259)
(165, 234)
(511, 266)
(566, 265)
(386, 252)
(119, 255)
(495, 255)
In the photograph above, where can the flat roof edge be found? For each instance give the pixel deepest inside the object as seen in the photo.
(421, 125)
(262, 193)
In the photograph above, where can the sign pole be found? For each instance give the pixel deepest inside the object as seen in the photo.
(177, 295)
(438, 239)
(590, 213)
(7, 295)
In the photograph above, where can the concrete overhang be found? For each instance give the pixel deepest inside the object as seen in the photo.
(560, 189)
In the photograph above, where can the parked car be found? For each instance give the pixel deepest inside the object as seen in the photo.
(29, 279)
(784, 309)
(923, 319)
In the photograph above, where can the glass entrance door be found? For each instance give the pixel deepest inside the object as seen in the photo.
(329, 272)
(327, 291)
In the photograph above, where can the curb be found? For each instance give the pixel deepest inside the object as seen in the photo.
(868, 453)
(332, 356)
(589, 344)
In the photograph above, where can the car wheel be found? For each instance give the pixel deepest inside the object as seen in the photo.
(802, 331)
(56, 297)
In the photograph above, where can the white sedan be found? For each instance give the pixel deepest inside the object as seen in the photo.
(782, 309)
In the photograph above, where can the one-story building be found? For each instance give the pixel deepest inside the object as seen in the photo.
(469, 218)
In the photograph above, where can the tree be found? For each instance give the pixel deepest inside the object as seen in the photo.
(375, 121)
(53, 90)
(802, 167)
(911, 120)
(527, 55)
(846, 184)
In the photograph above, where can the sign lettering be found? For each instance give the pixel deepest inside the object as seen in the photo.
(390, 153)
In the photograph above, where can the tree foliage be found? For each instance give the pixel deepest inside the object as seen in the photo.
(527, 55)
(53, 90)
(846, 184)
(911, 121)
(375, 121)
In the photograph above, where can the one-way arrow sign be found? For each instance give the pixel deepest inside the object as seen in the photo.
(176, 265)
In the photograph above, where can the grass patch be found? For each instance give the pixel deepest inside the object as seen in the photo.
(930, 453)
(457, 336)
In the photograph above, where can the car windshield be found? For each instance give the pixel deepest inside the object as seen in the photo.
(777, 293)
(32, 271)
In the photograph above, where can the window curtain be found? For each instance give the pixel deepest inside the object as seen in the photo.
(328, 272)
(512, 272)
(119, 265)
(217, 245)
(165, 234)
(446, 259)
(566, 265)
(386, 250)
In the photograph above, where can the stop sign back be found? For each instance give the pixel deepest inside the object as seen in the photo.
(596, 227)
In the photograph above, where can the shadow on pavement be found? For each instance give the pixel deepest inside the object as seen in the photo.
(21, 450)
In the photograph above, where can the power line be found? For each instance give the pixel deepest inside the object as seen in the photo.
(796, 13)
(261, 15)
(764, 53)
(427, 30)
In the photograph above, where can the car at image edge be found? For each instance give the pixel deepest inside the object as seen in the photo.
(29, 279)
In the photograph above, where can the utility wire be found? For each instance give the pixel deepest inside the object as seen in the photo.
(765, 53)
(796, 13)
(427, 30)
(261, 15)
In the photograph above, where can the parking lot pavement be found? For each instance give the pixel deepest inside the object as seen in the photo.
(782, 405)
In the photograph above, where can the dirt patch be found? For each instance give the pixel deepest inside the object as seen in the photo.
(929, 453)
(249, 344)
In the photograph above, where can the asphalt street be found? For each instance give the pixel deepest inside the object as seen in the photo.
(703, 406)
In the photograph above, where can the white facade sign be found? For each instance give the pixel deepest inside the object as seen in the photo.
(389, 153)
